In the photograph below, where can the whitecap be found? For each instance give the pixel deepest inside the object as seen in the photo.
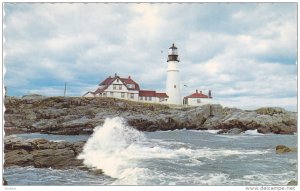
(252, 132)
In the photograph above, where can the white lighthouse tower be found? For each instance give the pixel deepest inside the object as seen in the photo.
(173, 78)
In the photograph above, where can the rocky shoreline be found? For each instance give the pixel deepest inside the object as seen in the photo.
(42, 153)
(75, 115)
(79, 115)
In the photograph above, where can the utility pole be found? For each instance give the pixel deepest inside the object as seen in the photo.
(65, 89)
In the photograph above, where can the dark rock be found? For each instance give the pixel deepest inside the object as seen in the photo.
(23, 145)
(4, 182)
(264, 130)
(234, 131)
(44, 153)
(284, 149)
(96, 171)
(18, 157)
(55, 158)
(78, 147)
(292, 183)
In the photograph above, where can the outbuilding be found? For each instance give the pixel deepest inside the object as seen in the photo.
(198, 98)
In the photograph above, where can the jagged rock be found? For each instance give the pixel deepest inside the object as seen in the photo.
(284, 149)
(77, 147)
(264, 130)
(32, 97)
(233, 131)
(74, 116)
(18, 157)
(43, 153)
(55, 158)
(292, 183)
(270, 110)
(4, 182)
(18, 144)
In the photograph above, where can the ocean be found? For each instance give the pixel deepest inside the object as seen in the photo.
(180, 157)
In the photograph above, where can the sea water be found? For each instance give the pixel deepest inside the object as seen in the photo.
(180, 157)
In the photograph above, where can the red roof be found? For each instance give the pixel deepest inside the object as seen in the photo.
(147, 93)
(125, 81)
(100, 90)
(197, 95)
(107, 81)
(130, 81)
(162, 95)
(151, 93)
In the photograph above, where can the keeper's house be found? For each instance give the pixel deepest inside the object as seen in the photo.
(128, 89)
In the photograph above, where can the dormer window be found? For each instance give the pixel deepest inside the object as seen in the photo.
(131, 86)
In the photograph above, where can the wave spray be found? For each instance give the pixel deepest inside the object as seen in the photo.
(113, 148)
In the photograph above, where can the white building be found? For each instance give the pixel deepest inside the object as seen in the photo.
(173, 77)
(128, 89)
(152, 96)
(197, 99)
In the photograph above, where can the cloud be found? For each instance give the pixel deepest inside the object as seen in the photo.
(241, 52)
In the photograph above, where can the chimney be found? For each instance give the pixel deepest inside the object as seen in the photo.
(129, 77)
(115, 74)
(200, 92)
(196, 91)
(209, 94)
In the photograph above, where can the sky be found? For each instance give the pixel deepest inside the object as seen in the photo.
(246, 53)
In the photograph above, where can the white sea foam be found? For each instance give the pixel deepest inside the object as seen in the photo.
(268, 179)
(212, 131)
(121, 151)
(112, 149)
(214, 179)
(252, 132)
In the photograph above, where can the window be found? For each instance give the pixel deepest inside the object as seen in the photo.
(120, 87)
(114, 86)
(111, 93)
(122, 95)
(131, 86)
(132, 96)
(198, 100)
(150, 98)
(141, 98)
(174, 86)
(104, 94)
(145, 98)
(117, 80)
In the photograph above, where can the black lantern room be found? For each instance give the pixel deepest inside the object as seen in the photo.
(173, 54)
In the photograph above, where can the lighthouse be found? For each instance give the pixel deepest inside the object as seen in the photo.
(173, 78)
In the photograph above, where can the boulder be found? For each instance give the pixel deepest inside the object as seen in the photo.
(270, 111)
(264, 130)
(284, 149)
(292, 183)
(43, 153)
(18, 157)
(4, 182)
(55, 158)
